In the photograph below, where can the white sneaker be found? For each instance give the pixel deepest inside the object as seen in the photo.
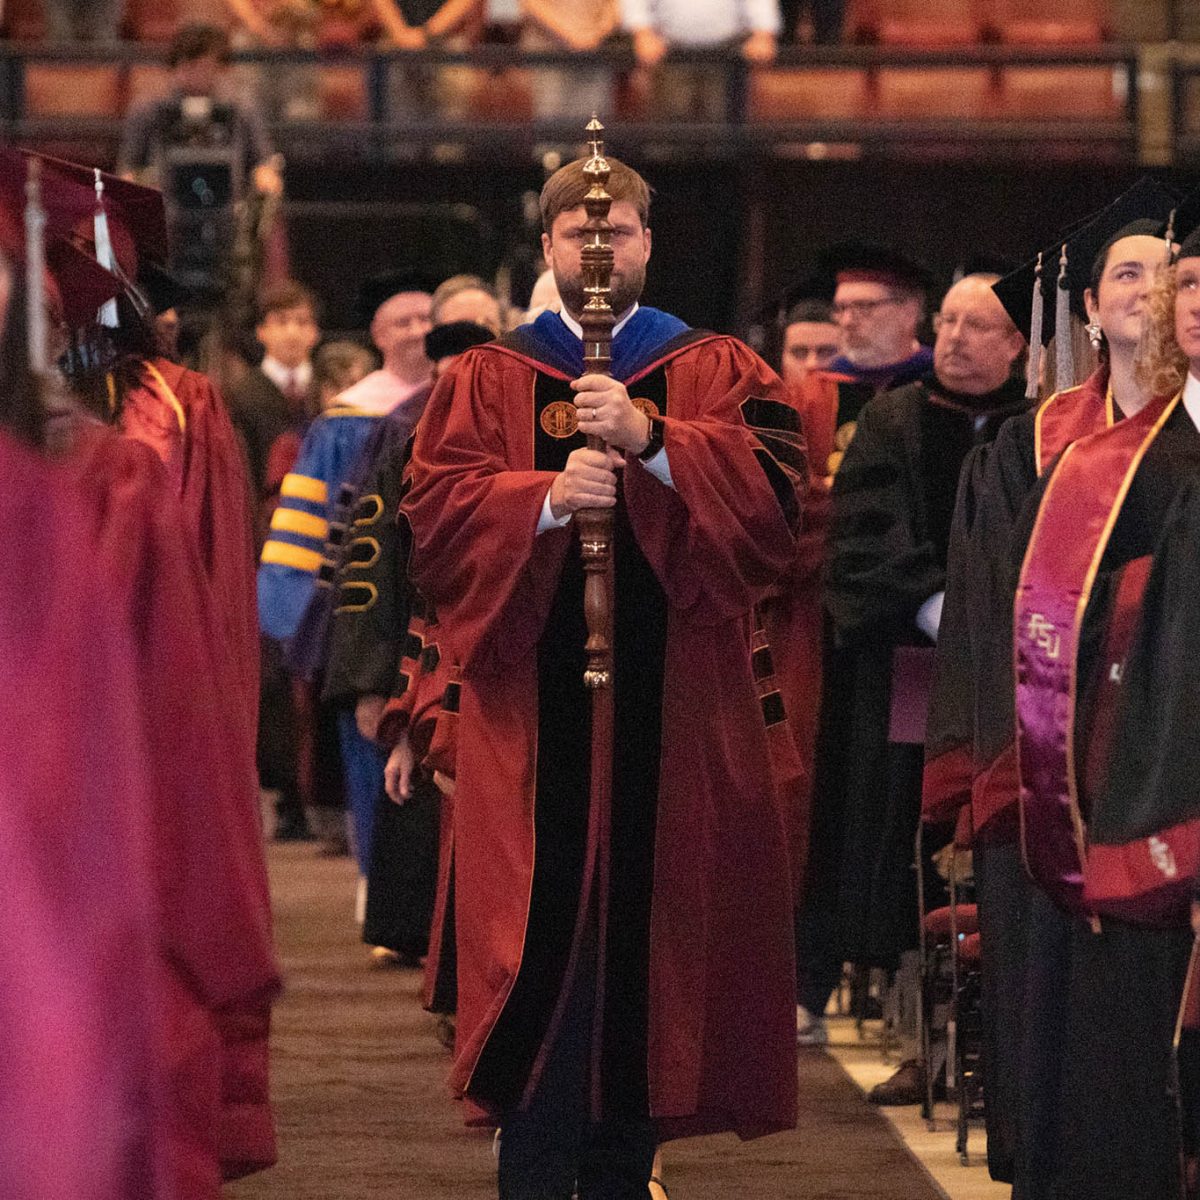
(810, 1030)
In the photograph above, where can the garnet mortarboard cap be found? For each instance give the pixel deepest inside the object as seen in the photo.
(65, 203)
(81, 283)
(77, 284)
(137, 215)
(849, 262)
(455, 337)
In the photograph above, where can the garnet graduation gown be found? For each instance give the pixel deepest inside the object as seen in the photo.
(181, 416)
(216, 973)
(81, 1072)
(699, 922)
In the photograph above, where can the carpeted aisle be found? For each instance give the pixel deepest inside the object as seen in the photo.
(363, 1112)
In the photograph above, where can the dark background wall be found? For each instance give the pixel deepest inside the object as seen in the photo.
(729, 236)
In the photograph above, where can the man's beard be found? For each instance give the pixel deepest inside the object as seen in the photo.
(626, 288)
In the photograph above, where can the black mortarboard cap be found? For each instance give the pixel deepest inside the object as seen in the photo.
(1187, 225)
(1043, 292)
(455, 337)
(1190, 246)
(1144, 209)
(375, 289)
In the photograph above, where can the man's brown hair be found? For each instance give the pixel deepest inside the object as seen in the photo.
(567, 187)
(285, 295)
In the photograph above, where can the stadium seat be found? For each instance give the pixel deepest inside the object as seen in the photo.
(915, 93)
(963, 918)
(23, 20)
(503, 96)
(922, 23)
(60, 90)
(1030, 93)
(150, 20)
(782, 95)
(1051, 22)
(146, 81)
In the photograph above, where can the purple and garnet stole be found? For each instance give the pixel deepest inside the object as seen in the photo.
(1074, 523)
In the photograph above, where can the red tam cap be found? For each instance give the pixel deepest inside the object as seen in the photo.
(860, 262)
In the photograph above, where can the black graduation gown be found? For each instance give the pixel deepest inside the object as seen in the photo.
(893, 501)
(1156, 754)
(1099, 1113)
(370, 621)
(995, 489)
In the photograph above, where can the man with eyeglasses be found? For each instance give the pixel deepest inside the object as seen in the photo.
(892, 503)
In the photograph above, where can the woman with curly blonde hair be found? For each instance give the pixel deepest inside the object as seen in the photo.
(1160, 366)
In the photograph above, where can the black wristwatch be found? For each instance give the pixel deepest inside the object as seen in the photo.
(655, 444)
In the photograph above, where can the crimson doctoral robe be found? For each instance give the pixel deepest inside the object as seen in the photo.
(700, 994)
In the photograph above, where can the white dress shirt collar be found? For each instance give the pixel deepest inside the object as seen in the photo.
(577, 329)
(287, 378)
(1191, 398)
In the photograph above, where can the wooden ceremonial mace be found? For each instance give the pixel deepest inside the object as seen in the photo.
(596, 524)
(595, 540)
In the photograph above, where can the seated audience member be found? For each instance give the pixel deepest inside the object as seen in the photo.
(201, 95)
(421, 90)
(414, 24)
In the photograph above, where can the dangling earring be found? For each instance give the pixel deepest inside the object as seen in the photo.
(1095, 334)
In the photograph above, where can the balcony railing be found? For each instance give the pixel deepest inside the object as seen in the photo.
(491, 101)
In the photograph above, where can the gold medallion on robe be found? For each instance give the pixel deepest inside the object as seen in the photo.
(648, 407)
(560, 419)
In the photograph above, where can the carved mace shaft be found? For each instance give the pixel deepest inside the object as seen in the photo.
(596, 524)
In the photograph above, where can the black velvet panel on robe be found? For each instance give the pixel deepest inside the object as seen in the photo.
(893, 503)
(372, 607)
(1009, 476)
(561, 806)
